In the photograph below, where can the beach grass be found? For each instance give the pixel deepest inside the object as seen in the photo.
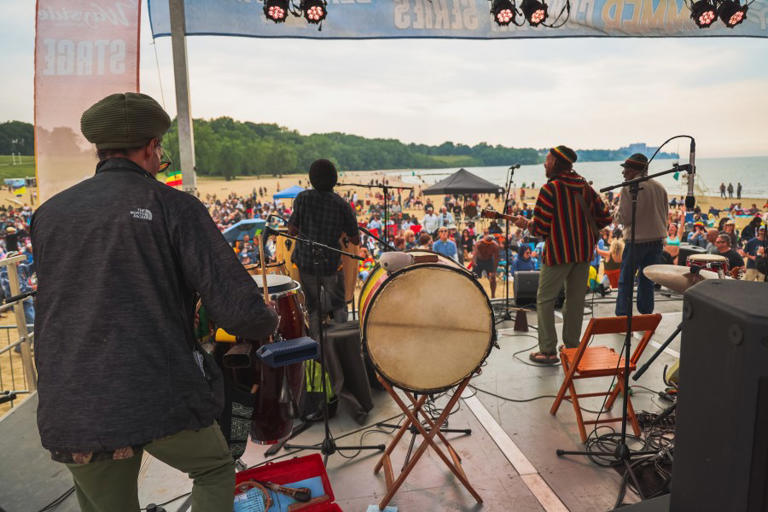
(25, 169)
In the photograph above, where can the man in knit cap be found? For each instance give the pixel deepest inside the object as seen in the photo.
(120, 260)
(650, 232)
(568, 215)
(321, 215)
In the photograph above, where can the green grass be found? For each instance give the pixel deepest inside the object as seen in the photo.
(23, 170)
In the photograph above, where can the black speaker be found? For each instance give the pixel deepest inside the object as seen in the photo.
(525, 286)
(721, 441)
(686, 250)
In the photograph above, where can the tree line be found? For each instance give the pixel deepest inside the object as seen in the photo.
(226, 147)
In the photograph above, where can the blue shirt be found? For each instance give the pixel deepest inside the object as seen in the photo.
(751, 249)
(447, 248)
(521, 264)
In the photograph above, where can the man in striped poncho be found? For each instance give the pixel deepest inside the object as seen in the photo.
(568, 214)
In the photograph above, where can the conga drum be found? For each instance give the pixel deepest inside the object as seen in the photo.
(277, 267)
(349, 267)
(284, 248)
(713, 262)
(427, 326)
(274, 393)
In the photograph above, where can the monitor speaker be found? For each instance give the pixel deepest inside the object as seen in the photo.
(721, 441)
(525, 286)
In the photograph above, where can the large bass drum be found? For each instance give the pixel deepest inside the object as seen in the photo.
(427, 326)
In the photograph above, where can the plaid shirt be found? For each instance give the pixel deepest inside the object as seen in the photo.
(321, 217)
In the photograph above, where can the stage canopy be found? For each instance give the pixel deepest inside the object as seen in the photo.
(288, 193)
(455, 19)
(463, 182)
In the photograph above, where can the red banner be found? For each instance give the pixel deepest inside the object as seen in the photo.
(84, 51)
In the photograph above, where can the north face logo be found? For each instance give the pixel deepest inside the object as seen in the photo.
(142, 214)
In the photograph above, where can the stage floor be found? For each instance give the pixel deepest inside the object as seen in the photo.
(509, 457)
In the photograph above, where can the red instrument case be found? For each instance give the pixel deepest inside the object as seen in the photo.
(295, 470)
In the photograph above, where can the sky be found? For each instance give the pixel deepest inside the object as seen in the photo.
(585, 93)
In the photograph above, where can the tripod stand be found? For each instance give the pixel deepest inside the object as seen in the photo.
(319, 253)
(622, 454)
(385, 188)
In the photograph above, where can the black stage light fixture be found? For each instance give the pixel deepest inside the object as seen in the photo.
(503, 12)
(314, 10)
(732, 13)
(276, 10)
(703, 13)
(534, 11)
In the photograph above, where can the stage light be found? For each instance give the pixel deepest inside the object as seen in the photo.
(535, 12)
(703, 13)
(276, 10)
(732, 13)
(503, 12)
(314, 10)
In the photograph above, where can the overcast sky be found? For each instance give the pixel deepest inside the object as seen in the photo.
(586, 93)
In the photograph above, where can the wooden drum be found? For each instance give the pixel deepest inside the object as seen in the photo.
(427, 326)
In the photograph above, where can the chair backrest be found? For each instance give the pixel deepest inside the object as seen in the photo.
(617, 325)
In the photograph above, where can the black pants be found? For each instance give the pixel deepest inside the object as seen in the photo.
(331, 299)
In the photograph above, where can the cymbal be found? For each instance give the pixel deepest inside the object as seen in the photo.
(676, 277)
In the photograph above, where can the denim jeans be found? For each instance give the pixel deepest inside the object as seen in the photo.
(646, 253)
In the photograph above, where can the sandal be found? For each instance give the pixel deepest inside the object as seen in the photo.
(542, 358)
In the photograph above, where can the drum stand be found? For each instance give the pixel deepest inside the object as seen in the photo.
(623, 455)
(328, 446)
(414, 431)
(453, 463)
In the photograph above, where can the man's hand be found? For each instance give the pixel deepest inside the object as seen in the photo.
(521, 222)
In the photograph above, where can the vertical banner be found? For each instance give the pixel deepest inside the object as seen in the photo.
(84, 51)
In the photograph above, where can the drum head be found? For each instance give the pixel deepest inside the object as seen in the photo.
(427, 327)
(276, 283)
(707, 258)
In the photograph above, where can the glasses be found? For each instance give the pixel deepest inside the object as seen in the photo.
(165, 160)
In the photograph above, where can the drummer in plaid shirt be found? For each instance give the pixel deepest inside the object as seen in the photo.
(321, 215)
(568, 214)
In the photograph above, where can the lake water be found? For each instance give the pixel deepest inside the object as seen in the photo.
(752, 172)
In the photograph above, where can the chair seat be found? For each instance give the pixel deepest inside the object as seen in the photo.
(596, 359)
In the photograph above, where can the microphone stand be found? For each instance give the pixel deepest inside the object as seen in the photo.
(622, 453)
(385, 188)
(508, 185)
(319, 251)
(387, 246)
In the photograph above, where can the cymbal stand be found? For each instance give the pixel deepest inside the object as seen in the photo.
(623, 454)
(385, 188)
(328, 445)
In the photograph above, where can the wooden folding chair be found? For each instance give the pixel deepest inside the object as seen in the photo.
(585, 362)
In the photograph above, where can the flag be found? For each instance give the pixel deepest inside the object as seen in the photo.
(173, 178)
(19, 191)
(676, 175)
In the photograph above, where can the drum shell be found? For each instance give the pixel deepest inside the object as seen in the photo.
(274, 391)
(417, 337)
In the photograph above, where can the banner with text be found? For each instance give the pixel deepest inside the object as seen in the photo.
(465, 19)
(84, 51)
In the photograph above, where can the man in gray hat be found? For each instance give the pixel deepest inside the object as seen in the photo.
(650, 231)
(121, 259)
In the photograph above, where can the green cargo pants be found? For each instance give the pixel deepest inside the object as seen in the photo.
(111, 485)
(551, 280)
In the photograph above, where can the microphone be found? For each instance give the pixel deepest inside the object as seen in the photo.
(513, 167)
(690, 201)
